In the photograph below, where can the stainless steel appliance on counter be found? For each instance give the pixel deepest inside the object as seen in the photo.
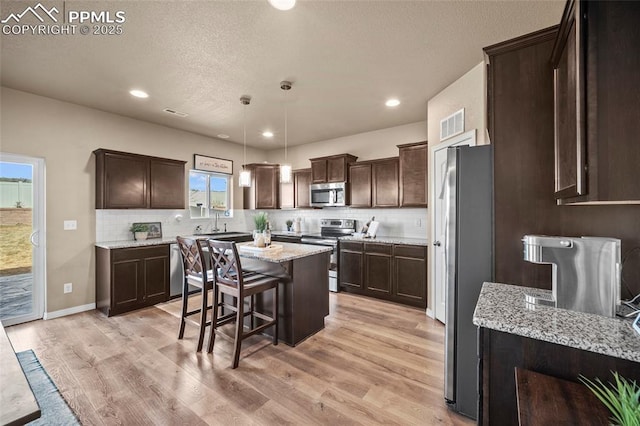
(585, 272)
(469, 263)
(330, 231)
(328, 194)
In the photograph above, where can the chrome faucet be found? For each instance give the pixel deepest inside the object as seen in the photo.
(215, 227)
(585, 271)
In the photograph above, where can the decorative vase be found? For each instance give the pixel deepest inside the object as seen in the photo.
(258, 238)
(140, 236)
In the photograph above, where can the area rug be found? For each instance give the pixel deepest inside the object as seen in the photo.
(54, 408)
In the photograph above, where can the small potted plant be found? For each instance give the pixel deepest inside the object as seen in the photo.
(140, 231)
(289, 223)
(260, 220)
(622, 398)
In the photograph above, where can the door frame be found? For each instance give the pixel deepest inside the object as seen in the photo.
(38, 212)
(467, 138)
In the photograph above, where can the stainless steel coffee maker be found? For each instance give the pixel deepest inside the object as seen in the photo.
(586, 271)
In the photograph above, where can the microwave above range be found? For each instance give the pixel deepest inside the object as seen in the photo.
(328, 194)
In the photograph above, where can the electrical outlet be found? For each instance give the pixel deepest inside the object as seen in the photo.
(68, 287)
(70, 225)
(419, 223)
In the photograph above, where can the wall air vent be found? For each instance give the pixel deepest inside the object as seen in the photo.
(452, 125)
(176, 113)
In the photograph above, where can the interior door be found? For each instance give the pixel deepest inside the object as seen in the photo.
(437, 180)
(22, 239)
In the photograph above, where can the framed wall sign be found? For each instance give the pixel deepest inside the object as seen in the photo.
(212, 164)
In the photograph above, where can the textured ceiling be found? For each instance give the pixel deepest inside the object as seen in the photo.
(345, 59)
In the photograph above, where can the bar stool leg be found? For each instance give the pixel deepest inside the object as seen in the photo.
(185, 299)
(275, 314)
(203, 315)
(239, 331)
(214, 319)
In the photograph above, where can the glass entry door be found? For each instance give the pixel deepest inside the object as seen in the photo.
(22, 239)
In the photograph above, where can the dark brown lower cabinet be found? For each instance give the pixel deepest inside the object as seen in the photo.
(394, 272)
(410, 274)
(131, 278)
(500, 353)
(351, 265)
(377, 264)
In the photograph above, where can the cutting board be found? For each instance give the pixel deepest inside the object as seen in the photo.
(273, 248)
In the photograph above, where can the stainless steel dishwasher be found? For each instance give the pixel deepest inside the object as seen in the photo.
(176, 271)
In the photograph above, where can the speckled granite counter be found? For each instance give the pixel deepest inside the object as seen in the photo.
(158, 241)
(389, 240)
(290, 251)
(502, 307)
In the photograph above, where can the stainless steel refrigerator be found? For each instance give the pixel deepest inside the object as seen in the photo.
(469, 262)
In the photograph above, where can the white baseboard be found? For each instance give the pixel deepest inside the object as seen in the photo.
(430, 313)
(69, 311)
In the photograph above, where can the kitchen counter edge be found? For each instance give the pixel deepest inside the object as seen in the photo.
(159, 241)
(502, 307)
(389, 240)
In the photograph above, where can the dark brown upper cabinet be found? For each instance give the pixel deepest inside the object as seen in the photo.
(597, 95)
(385, 178)
(132, 181)
(331, 169)
(264, 192)
(374, 183)
(301, 182)
(413, 174)
(570, 136)
(360, 184)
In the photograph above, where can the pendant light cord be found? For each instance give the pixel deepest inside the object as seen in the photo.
(285, 127)
(244, 133)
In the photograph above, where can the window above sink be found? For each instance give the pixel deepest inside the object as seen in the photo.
(209, 193)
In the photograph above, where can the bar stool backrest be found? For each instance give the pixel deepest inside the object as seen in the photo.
(225, 262)
(191, 256)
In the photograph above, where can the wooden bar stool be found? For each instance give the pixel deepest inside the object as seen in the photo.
(192, 259)
(229, 279)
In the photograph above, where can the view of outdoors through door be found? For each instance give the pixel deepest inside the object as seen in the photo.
(21, 285)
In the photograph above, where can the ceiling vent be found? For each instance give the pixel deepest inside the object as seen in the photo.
(452, 125)
(176, 113)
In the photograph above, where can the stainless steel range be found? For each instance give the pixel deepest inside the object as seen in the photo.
(330, 231)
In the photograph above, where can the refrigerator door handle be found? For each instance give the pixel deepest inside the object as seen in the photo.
(450, 275)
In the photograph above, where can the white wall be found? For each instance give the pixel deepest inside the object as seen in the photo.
(467, 92)
(365, 146)
(65, 135)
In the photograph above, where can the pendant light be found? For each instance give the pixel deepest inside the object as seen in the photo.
(285, 169)
(245, 175)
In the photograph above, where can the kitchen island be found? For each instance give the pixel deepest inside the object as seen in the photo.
(303, 271)
(134, 274)
(557, 342)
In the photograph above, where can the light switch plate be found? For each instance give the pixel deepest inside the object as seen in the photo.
(70, 225)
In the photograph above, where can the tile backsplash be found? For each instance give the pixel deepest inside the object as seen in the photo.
(113, 225)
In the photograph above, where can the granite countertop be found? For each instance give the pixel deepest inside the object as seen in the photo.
(158, 241)
(502, 307)
(290, 251)
(389, 240)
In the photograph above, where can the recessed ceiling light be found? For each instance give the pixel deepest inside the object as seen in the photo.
(138, 93)
(282, 4)
(392, 103)
(223, 136)
(267, 134)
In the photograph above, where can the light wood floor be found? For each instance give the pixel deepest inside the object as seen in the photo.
(374, 363)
